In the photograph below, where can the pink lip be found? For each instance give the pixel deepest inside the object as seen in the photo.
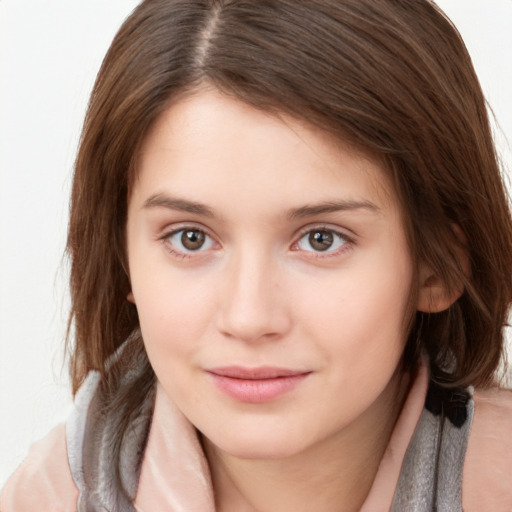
(256, 385)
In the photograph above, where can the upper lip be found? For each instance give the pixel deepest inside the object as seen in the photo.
(261, 372)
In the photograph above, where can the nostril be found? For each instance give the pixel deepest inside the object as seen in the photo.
(253, 322)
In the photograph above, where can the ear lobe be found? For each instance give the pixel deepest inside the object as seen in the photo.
(130, 297)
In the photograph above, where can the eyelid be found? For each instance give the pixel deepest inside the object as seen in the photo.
(343, 232)
(172, 230)
(348, 236)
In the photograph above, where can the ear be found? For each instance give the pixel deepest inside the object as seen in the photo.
(130, 297)
(434, 294)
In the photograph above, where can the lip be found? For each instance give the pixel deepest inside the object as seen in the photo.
(256, 385)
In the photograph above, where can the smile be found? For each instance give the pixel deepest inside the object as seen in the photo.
(256, 385)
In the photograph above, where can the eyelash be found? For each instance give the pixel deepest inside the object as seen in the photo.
(347, 242)
(165, 239)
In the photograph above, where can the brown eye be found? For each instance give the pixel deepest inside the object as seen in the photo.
(192, 239)
(188, 240)
(321, 240)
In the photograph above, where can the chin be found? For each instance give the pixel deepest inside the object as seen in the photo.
(259, 451)
(260, 444)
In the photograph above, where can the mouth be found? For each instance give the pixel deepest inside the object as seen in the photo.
(256, 385)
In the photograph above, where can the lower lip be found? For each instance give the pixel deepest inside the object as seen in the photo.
(256, 391)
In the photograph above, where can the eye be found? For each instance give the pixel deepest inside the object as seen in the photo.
(321, 240)
(189, 240)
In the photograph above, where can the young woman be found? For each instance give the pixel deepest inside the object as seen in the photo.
(291, 252)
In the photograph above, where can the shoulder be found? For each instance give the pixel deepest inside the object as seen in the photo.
(488, 467)
(43, 481)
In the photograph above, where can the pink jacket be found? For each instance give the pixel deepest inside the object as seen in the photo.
(175, 475)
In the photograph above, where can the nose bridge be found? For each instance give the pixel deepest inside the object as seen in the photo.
(252, 302)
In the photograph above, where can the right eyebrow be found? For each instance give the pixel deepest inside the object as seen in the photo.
(179, 204)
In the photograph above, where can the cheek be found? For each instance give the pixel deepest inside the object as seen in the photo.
(173, 321)
(174, 311)
(361, 315)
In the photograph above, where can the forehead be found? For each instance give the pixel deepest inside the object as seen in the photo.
(211, 146)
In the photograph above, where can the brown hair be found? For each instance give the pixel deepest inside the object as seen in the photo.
(391, 76)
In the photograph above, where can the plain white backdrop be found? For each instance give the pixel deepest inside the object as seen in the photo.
(50, 52)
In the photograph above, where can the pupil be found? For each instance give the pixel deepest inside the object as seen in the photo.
(321, 240)
(192, 240)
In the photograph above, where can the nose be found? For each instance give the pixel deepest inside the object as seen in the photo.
(253, 302)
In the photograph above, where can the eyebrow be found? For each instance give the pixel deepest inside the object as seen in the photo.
(187, 206)
(330, 207)
(182, 205)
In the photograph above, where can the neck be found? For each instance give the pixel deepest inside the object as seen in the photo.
(335, 474)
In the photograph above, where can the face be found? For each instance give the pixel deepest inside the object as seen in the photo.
(271, 274)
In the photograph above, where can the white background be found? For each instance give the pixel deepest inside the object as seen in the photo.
(50, 52)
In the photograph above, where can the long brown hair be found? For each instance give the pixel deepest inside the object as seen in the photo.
(390, 76)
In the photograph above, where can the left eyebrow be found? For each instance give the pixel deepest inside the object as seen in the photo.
(329, 207)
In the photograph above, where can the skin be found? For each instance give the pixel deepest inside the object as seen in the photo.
(258, 293)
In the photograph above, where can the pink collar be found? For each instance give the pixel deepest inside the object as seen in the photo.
(175, 474)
